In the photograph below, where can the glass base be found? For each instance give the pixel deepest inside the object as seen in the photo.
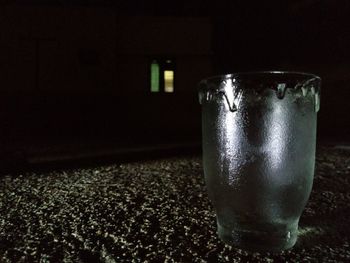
(260, 241)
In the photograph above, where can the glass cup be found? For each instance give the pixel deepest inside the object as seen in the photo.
(259, 141)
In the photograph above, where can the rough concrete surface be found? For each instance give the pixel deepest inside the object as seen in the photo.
(155, 211)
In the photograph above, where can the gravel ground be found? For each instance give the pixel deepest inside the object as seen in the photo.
(154, 211)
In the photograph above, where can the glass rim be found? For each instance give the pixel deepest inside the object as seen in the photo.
(262, 76)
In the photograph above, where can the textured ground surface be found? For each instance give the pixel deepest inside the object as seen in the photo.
(154, 211)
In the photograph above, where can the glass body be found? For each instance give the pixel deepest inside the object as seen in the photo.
(259, 140)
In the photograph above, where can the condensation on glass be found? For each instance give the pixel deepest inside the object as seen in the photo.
(259, 141)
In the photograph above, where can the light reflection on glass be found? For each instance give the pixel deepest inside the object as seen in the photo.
(276, 142)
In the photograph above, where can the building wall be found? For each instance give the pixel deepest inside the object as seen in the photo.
(87, 69)
(42, 47)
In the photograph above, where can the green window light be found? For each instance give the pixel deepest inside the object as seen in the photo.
(154, 76)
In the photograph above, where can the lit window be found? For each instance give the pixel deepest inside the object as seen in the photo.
(168, 80)
(162, 75)
(154, 76)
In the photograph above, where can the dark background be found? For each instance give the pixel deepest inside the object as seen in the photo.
(113, 42)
